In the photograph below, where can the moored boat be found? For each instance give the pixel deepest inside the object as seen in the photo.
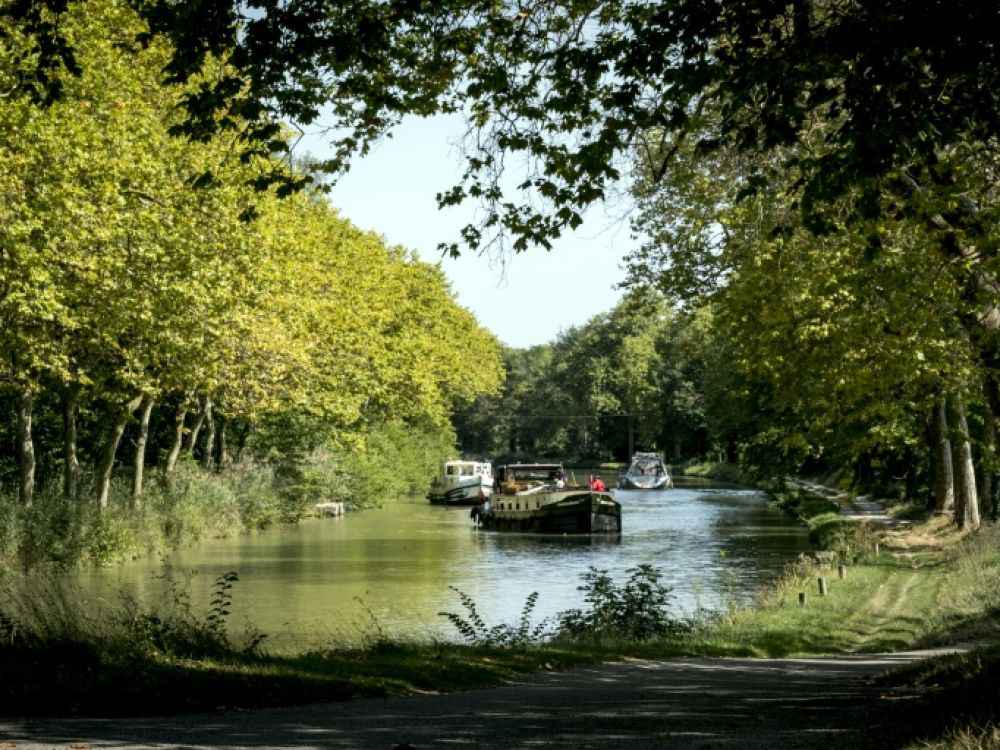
(536, 498)
(646, 472)
(462, 483)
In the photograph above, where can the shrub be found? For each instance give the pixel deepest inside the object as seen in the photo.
(174, 629)
(639, 610)
(848, 538)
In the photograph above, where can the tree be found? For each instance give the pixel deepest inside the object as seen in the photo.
(122, 288)
(575, 87)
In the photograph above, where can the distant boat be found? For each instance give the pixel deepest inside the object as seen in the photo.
(462, 483)
(535, 497)
(646, 472)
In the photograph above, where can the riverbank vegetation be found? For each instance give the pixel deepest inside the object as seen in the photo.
(928, 586)
(834, 299)
(186, 348)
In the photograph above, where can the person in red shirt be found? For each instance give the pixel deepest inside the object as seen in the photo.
(597, 485)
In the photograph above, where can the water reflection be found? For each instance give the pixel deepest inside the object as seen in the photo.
(336, 578)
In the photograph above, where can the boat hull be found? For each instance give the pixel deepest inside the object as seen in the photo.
(645, 483)
(572, 513)
(467, 494)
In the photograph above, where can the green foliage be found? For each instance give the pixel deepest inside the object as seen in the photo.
(802, 504)
(538, 91)
(473, 628)
(637, 610)
(724, 472)
(642, 365)
(849, 538)
(173, 629)
(393, 460)
(130, 280)
(193, 505)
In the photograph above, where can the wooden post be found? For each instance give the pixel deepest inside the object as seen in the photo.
(802, 598)
(876, 550)
(842, 571)
(822, 586)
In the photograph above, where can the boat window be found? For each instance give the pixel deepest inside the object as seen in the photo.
(451, 471)
(517, 507)
(466, 471)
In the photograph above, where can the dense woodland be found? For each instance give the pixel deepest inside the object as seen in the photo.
(643, 367)
(163, 339)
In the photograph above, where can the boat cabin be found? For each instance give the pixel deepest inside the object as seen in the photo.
(460, 471)
(515, 478)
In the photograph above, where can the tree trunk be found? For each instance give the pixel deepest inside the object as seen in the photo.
(196, 427)
(241, 442)
(178, 444)
(223, 443)
(987, 461)
(71, 463)
(206, 459)
(145, 410)
(25, 447)
(944, 476)
(990, 467)
(966, 500)
(107, 463)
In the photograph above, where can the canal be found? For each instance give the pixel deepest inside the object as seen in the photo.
(340, 580)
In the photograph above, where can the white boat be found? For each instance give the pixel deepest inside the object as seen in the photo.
(646, 472)
(462, 483)
(537, 497)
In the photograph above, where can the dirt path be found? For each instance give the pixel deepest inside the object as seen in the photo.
(857, 508)
(677, 703)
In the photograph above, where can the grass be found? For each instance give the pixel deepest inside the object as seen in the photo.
(721, 471)
(60, 656)
(949, 702)
(804, 505)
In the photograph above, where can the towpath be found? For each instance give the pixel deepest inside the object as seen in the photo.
(857, 508)
(676, 703)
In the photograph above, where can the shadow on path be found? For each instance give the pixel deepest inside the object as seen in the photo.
(677, 703)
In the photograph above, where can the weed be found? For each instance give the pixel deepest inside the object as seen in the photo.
(473, 628)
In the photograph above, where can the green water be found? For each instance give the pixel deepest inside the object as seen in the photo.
(337, 579)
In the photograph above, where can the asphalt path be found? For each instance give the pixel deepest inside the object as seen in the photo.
(676, 703)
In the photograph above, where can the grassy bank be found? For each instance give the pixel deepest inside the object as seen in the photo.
(193, 503)
(718, 470)
(58, 656)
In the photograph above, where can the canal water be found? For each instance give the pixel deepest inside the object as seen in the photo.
(340, 580)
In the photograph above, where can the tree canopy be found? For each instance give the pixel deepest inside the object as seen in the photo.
(576, 88)
(125, 289)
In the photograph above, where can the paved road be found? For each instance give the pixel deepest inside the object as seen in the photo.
(677, 703)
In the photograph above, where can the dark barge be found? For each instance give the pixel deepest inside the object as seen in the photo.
(535, 498)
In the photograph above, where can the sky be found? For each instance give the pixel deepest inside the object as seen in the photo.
(526, 301)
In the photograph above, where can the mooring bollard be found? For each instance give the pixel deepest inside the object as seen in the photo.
(876, 550)
(842, 571)
(802, 598)
(822, 586)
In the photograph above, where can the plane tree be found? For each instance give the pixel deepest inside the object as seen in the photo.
(574, 87)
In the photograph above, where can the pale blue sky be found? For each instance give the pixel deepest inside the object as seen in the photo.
(537, 294)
